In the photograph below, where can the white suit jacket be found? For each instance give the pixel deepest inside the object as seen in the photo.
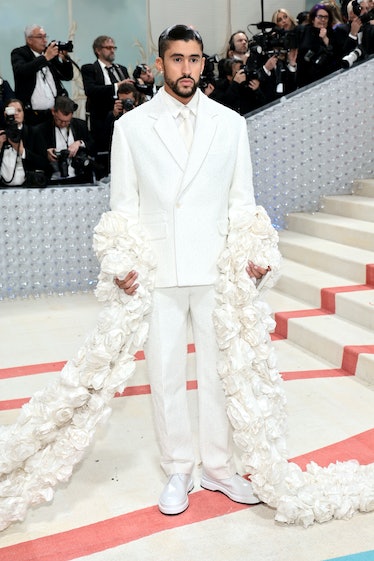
(183, 201)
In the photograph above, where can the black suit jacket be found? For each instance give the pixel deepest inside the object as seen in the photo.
(6, 93)
(45, 137)
(25, 67)
(100, 100)
(32, 160)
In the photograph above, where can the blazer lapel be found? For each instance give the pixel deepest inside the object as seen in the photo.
(205, 130)
(166, 129)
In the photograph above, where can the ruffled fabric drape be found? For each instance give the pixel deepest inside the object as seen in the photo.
(57, 426)
(255, 394)
(54, 430)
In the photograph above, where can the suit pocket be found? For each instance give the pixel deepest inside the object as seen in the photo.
(155, 225)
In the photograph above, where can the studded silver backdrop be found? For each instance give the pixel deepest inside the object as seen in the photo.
(311, 144)
(315, 143)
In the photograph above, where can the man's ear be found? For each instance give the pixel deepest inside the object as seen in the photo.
(159, 64)
(203, 64)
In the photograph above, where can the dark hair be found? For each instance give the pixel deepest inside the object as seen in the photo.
(231, 40)
(302, 17)
(14, 100)
(139, 69)
(99, 42)
(314, 10)
(126, 88)
(177, 33)
(227, 64)
(65, 105)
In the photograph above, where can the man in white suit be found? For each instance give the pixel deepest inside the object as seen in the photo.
(182, 182)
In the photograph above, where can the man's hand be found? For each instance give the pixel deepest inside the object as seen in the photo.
(51, 154)
(118, 108)
(240, 76)
(2, 139)
(254, 84)
(271, 63)
(74, 147)
(255, 272)
(128, 284)
(51, 51)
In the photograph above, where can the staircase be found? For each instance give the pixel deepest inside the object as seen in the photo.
(324, 301)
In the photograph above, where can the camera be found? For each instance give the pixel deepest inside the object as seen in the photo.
(127, 104)
(82, 162)
(352, 57)
(64, 45)
(251, 72)
(208, 77)
(274, 42)
(365, 18)
(63, 162)
(13, 133)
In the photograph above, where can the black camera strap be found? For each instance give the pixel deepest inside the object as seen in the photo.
(66, 140)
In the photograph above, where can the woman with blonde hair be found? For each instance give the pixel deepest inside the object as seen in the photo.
(283, 19)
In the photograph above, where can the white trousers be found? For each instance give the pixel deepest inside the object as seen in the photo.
(166, 354)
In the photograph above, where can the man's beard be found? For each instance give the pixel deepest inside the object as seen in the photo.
(174, 86)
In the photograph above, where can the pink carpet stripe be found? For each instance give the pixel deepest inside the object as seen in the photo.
(312, 374)
(128, 392)
(281, 318)
(328, 295)
(328, 299)
(30, 369)
(359, 447)
(351, 355)
(370, 274)
(132, 526)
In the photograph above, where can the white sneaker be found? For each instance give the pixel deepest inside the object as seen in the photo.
(174, 497)
(236, 488)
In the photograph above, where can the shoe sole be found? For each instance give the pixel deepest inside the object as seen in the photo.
(210, 486)
(176, 509)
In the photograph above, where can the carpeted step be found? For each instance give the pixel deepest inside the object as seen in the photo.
(340, 229)
(325, 255)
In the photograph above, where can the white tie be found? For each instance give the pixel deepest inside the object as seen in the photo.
(185, 126)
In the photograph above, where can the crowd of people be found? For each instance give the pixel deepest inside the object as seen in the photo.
(42, 143)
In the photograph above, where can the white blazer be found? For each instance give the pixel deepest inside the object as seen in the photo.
(182, 201)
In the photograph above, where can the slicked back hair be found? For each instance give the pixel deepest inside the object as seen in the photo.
(177, 33)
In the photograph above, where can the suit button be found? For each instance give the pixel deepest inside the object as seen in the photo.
(178, 205)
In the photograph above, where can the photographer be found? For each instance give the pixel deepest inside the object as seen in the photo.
(6, 93)
(101, 81)
(65, 145)
(238, 87)
(17, 160)
(38, 69)
(279, 53)
(145, 81)
(318, 55)
(128, 98)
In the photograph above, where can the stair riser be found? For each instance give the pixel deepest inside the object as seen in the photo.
(328, 263)
(339, 234)
(358, 313)
(348, 209)
(330, 351)
(364, 187)
(365, 369)
(315, 342)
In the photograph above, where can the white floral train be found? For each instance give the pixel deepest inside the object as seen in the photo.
(55, 428)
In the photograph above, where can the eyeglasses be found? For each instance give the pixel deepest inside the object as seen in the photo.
(38, 36)
(322, 17)
(109, 47)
